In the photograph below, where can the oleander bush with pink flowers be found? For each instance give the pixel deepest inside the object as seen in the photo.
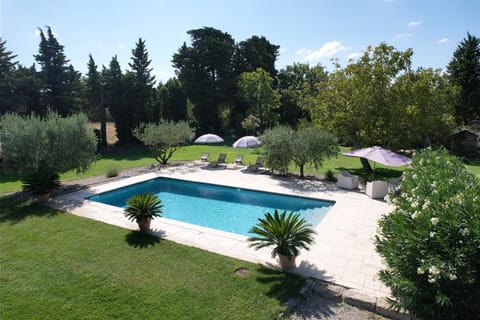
(431, 241)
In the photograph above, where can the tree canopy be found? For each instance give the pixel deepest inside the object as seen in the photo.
(312, 145)
(7, 78)
(206, 70)
(356, 101)
(233, 88)
(256, 52)
(262, 100)
(277, 143)
(464, 71)
(164, 138)
(296, 83)
(58, 143)
(60, 81)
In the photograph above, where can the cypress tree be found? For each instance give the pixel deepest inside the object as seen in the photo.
(464, 69)
(143, 82)
(7, 78)
(96, 98)
(115, 100)
(60, 82)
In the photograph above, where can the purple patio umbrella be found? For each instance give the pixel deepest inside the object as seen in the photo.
(247, 142)
(208, 138)
(380, 155)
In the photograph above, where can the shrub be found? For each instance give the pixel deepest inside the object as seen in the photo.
(111, 172)
(329, 176)
(431, 241)
(40, 148)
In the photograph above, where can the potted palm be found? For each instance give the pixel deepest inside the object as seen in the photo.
(142, 208)
(286, 233)
(40, 183)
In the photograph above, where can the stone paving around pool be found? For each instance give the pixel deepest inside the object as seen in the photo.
(343, 252)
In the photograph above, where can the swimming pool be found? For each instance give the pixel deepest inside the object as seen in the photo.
(223, 208)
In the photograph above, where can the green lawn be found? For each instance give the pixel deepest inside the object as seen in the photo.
(58, 266)
(141, 157)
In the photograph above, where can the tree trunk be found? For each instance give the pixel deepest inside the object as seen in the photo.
(103, 128)
(144, 224)
(103, 120)
(428, 143)
(301, 171)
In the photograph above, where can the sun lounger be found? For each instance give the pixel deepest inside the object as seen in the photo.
(202, 160)
(239, 159)
(237, 164)
(258, 164)
(216, 163)
(204, 156)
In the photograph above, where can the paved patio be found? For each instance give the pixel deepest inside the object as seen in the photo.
(343, 252)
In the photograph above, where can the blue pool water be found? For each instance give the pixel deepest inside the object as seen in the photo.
(223, 208)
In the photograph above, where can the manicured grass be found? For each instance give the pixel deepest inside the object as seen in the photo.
(58, 266)
(141, 157)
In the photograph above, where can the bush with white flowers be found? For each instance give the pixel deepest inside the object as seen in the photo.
(431, 241)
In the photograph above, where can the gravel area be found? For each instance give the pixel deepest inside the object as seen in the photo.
(310, 306)
(314, 307)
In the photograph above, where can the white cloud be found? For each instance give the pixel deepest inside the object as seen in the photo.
(354, 55)
(282, 49)
(327, 50)
(443, 40)
(414, 23)
(403, 35)
(302, 52)
(120, 46)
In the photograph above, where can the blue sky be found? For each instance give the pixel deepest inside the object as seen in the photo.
(307, 31)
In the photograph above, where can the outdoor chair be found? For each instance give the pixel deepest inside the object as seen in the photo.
(377, 189)
(216, 163)
(394, 185)
(258, 164)
(346, 180)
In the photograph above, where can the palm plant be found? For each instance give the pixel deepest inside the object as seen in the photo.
(142, 208)
(286, 233)
(40, 182)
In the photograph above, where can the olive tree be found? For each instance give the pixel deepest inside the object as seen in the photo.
(309, 145)
(164, 138)
(39, 147)
(312, 145)
(278, 146)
